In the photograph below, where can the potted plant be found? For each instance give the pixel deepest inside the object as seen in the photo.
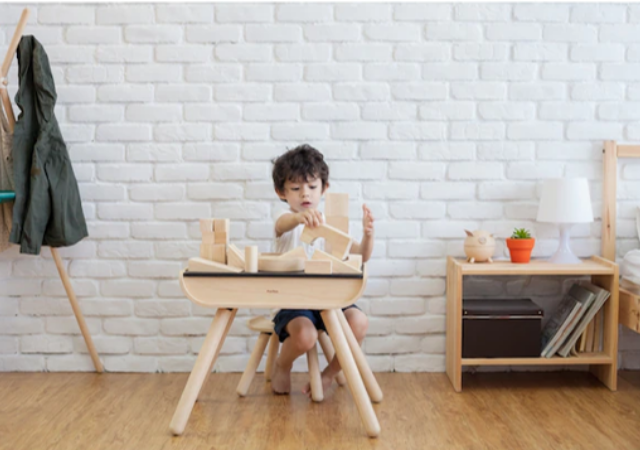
(520, 245)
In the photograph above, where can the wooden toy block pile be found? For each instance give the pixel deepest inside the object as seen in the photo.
(218, 256)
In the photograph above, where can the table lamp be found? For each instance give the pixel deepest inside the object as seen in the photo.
(565, 202)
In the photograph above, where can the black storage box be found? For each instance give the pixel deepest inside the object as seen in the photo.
(501, 328)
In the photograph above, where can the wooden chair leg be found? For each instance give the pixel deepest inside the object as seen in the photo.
(329, 353)
(274, 346)
(76, 310)
(215, 358)
(348, 364)
(213, 340)
(317, 394)
(370, 382)
(252, 365)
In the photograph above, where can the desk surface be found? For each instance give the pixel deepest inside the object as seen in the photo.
(353, 276)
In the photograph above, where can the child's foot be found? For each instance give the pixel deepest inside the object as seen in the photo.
(281, 380)
(327, 380)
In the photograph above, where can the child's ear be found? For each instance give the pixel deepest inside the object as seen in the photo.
(280, 195)
(325, 188)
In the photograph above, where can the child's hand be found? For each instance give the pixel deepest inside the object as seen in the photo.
(311, 218)
(367, 221)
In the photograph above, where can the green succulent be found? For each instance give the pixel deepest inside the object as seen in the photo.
(520, 233)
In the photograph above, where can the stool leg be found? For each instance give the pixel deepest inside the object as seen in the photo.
(215, 358)
(214, 339)
(252, 365)
(370, 382)
(317, 395)
(329, 353)
(356, 386)
(274, 346)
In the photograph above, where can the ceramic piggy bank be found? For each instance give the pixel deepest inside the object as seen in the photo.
(479, 246)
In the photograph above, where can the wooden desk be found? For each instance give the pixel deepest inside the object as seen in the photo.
(329, 293)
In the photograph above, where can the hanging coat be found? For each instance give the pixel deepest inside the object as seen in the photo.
(6, 182)
(47, 209)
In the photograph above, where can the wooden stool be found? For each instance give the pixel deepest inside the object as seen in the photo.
(265, 327)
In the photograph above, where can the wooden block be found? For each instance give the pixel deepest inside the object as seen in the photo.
(251, 259)
(206, 226)
(203, 265)
(336, 205)
(340, 223)
(209, 238)
(340, 242)
(221, 237)
(297, 252)
(337, 265)
(214, 252)
(221, 225)
(355, 261)
(318, 266)
(278, 264)
(235, 258)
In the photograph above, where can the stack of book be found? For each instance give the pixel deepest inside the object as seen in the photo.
(578, 324)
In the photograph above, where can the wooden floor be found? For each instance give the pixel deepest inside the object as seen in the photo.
(562, 410)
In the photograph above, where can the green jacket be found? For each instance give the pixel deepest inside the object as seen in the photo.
(47, 208)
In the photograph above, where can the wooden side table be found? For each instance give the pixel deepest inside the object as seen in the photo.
(604, 273)
(329, 293)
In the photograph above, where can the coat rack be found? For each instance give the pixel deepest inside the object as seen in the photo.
(8, 109)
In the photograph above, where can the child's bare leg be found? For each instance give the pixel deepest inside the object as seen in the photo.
(358, 322)
(302, 336)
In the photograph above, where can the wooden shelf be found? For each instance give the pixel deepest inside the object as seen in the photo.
(585, 358)
(630, 309)
(594, 266)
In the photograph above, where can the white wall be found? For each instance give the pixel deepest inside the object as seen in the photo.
(439, 116)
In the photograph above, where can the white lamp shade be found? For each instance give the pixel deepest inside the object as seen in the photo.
(565, 200)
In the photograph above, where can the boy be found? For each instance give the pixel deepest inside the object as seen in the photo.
(300, 178)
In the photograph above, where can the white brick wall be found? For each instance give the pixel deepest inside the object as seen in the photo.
(440, 116)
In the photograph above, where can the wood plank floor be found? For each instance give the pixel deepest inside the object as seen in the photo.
(561, 410)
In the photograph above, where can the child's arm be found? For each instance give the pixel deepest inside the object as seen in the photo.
(365, 248)
(287, 222)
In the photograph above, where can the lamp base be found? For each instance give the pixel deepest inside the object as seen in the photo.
(564, 255)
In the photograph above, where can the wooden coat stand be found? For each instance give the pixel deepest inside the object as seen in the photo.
(6, 101)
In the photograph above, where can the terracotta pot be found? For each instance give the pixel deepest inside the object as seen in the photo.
(520, 249)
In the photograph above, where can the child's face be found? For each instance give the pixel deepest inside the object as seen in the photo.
(302, 195)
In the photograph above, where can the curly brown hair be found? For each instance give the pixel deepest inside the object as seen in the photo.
(301, 163)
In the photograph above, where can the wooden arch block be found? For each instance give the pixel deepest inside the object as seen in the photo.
(339, 242)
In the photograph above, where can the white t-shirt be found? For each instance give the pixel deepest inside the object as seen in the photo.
(291, 239)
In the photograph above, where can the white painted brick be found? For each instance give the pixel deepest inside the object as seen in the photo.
(270, 72)
(182, 53)
(483, 12)
(161, 346)
(355, 12)
(565, 111)
(132, 327)
(17, 286)
(97, 269)
(391, 190)
(125, 172)
(332, 72)
(45, 344)
(38, 306)
(211, 152)
(619, 111)
(109, 345)
(570, 33)
(313, 92)
(388, 111)
(21, 325)
(125, 14)
(155, 193)
(361, 91)
(534, 170)
(124, 93)
(477, 131)
(33, 267)
(597, 91)
(108, 230)
(453, 32)
(300, 132)
(420, 325)
(475, 210)
(421, 12)
(480, 52)
(125, 250)
(393, 33)
(181, 133)
(240, 131)
(432, 268)
(598, 13)
(418, 287)
(443, 190)
(537, 91)
(153, 151)
(93, 35)
(69, 325)
(93, 74)
(359, 130)
(150, 73)
(185, 326)
(182, 94)
(331, 32)
(158, 231)
(8, 346)
(272, 33)
(314, 111)
(619, 33)
(124, 54)
(506, 111)
(176, 211)
(253, 92)
(125, 211)
(184, 13)
(244, 13)
(597, 52)
(447, 111)
(475, 171)
(419, 91)
(67, 14)
(123, 132)
(383, 150)
(131, 363)
(514, 151)
(153, 113)
(175, 250)
(421, 52)
(217, 73)
(625, 72)
(78, 54)
(541, 12)
(210, 34)
(303, 13)
(22, 363)
(416, 171)
(243, 52)
(569, 151)
(594, 130)
(539, 52)
(478, 91)
(185, 172)
(152, 34)
(417, 210)
(303, 52)
(397, 306)
(419, 363)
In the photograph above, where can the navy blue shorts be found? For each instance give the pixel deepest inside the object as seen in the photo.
(285, 316)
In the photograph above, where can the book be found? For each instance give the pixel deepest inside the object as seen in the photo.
(587, 326)
(571, 309)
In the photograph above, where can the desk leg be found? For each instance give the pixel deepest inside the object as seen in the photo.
(365, 408)
(370, 382)
(214, 340)
(329, 353)
(226, 332)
